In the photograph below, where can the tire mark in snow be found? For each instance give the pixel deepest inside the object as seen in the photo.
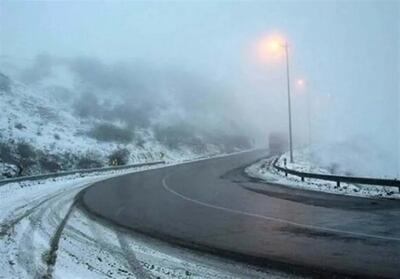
(129, 255)
(31, 231)
(39, 222)
(25, 256)
(133, 262)
(26, 247)
(51, 256)
(9, 224)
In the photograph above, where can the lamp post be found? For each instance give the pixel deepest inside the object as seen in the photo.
(309, 118)
(286, 47)
(268, 48)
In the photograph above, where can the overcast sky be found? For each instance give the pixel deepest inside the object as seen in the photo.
(347, 51)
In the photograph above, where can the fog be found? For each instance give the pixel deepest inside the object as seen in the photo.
(196, 64)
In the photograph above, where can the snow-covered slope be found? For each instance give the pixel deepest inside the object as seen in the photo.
(39, 133)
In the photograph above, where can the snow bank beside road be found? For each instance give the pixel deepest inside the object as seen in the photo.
(265, 171)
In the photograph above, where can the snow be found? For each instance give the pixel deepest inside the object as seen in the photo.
(265, 171)
(52, 127)
(31, 213)
(8, 170)
(356, 156)
(42, 233)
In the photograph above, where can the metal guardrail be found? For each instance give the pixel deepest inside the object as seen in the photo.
(338, 179)
(58, 174)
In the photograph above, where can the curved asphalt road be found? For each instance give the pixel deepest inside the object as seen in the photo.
(211, 205)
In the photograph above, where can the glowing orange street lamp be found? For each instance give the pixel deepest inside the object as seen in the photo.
(274, 45)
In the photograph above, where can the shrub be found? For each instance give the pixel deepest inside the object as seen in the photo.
(26, 150)
(20, 126)
(26, 156)
(6, 154)
(111, 133)
(50, 163)
(89, 161)
(119, 157)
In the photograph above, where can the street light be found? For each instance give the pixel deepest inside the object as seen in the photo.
(274, 45)
(302, 85)
(286, 47)
(300, 82)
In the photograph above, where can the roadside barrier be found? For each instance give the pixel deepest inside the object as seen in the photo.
(63, 173)
(339, 179)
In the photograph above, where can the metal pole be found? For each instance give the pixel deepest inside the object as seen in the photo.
(289, 103)
(309, 117)
(309, 110)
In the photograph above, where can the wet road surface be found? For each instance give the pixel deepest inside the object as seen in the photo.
(211, 205)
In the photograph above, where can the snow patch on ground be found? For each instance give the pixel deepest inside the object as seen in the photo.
(265, 171)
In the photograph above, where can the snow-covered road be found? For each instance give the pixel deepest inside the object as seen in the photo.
(45, 235)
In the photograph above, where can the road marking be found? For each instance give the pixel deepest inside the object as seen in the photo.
(278, 220)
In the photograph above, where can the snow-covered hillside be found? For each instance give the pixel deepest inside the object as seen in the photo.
(39, 132)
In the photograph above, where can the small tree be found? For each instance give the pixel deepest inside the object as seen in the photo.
(50, 163)
(27, 157)
(119, 157)
(89, 161)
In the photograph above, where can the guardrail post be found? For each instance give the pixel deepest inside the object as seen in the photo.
(338, 184)
(302, 178)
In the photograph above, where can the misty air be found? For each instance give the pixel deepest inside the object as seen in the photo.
(199, 139)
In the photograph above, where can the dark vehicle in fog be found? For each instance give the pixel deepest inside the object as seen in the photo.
(277, 143)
